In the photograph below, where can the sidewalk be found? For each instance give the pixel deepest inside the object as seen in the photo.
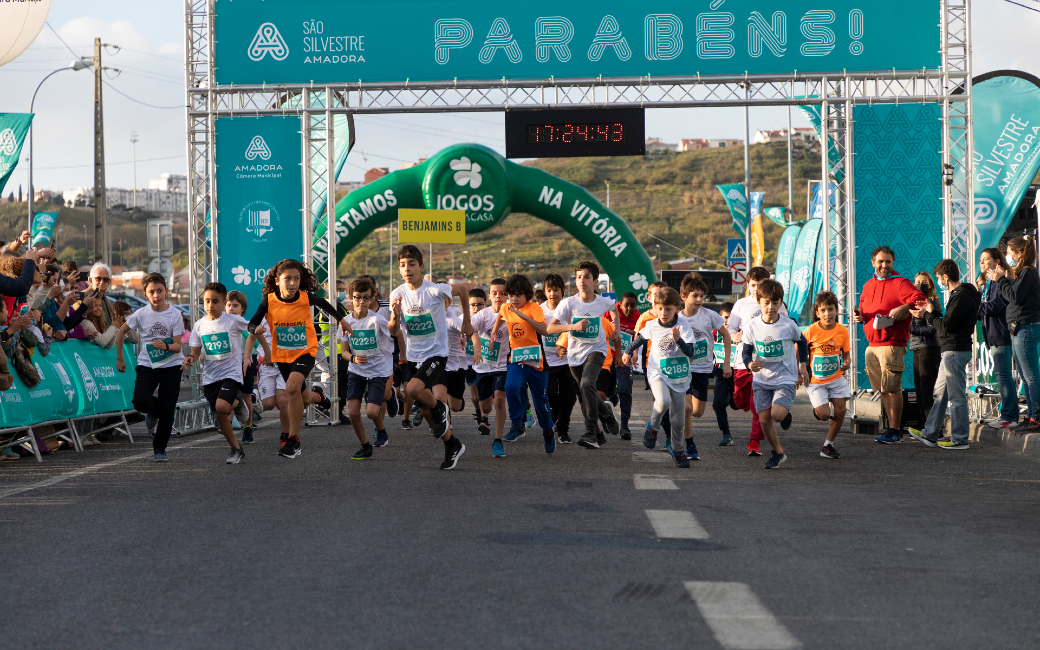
(1028, 443)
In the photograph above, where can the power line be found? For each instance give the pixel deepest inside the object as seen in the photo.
(1023, 6)
(138, 100)
(62, 40)
(122, 162)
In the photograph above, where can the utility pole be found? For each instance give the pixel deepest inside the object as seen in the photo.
(133, 141)
(747, 173)
(100, 220)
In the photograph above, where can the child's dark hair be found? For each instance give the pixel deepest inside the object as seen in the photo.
(668, 296)
(824, 298)
(758, 274)
(500, 281)
(217, 288)
(158, 278)
(372, 281)
(591, 267)
(726, 308)
(410, 252)
(120, 308)
(360, 285)
(539, 296)
(308, 281)
(519, 284)
(770, 290)
(629, 294)
(948, 268)
(478, 293)
(691, 284)
(239, 297)
(554, 281)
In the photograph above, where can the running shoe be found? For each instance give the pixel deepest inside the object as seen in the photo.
(681, 460)
(417, 417)
(918, 435)
(610, 421)
(453, 450)
(515, 432)
(691, 450)
(150, 422)
(392, 406)
(601, 439)
(242, 414)
(290, 447)
(727, 440)
(999, 423)
(362, 454)
(160, 457)
(406, 424)
(565, 439)
(626, 434)
(484, 427)
(382, 439)
(649, 437)
(785, 424)
(529, 419)
(324, 402)
(754, 448)
(1022, 426)
(439, 417)
(889, 437)
(550, 441)
(235, 457)
(589, 441)
(498, 450)
(775, 459)
(828, 451)
(247, 435)
(952, 444)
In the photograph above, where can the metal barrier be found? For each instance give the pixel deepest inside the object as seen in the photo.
(121, 426)
(31, 440)
(192, 417)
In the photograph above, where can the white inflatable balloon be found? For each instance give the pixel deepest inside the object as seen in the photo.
(20, 24)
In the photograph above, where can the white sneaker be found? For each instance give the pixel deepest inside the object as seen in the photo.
(999, 423)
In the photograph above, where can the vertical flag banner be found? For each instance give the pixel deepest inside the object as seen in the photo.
(815, 207)
(13, 127)
(757, 198)
(259, 200)
(43, 228)
(1005, 134)
(776, 215)
(812, 113)
(802, 266)
(758, 242)
(736, 201)
(785, 256)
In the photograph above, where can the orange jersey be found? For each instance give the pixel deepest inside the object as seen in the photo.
(608, 330)
(825, 348)
(292, 329)
(524, 342)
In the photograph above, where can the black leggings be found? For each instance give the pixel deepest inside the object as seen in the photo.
(586, 376)
(562, 393)
(926, 370)
(163, 407)
(722, 396)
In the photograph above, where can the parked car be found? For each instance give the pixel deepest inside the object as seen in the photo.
(134, 302)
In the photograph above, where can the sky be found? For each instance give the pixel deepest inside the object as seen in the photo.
(151, 39)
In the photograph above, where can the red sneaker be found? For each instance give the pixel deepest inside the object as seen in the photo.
(753, 448)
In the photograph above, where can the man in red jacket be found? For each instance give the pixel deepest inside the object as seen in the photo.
(884, 310)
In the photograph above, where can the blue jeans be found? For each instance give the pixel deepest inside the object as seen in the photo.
(517, 374)
(1024, 343)
(1005, 382)
(950, 385)
(624, 393)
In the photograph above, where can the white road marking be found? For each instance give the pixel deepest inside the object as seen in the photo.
(738, 619)
(650, 457)
(676, 524)
(652, 482)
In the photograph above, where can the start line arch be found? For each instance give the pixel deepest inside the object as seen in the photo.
(488, 187)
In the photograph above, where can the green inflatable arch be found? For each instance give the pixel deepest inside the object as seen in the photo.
(488, 187)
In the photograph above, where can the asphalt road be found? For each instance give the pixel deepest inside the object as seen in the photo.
(890, 547)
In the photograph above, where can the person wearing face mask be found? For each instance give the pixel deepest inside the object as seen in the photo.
(925, 345)
(993, 314)
(1020, 288)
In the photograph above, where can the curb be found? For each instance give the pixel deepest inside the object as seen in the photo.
(1027, 443)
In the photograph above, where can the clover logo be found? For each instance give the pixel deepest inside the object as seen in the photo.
(466, 172)
(242, 276)
(638, 281)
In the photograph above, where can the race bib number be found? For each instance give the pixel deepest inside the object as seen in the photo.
(771, 350)
(469, 347)
(550, 340)
(675, 368)
(364, 340)
(420, 326)
(291, 337)
(531, 355)
(217, 346)
(700, 350)
(720, 353)
(591, 332)
(489, 351)
(626, 341)
(825, 366)
(155, 355)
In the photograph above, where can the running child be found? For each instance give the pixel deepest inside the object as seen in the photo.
(220, 334)
(722, 393)
(525, 323)
(451, 387)
(587, 348)
(382, 307)
(477, 303)
(490, 364)
(560, 384)
(628, 309)
(286, 306)
(236, 306)
(829, 358)
(644, 318)
(159, 363)
(606, 384)
(370, 352)
(668, 366)
(420, 303)
(776, 352)
(703, 322)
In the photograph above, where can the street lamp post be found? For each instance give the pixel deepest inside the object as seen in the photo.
(75, 66)
(133, 141)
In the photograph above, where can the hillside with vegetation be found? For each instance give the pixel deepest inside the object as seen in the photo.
(669, 200)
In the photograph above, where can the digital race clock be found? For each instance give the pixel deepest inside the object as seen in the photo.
(560, 133)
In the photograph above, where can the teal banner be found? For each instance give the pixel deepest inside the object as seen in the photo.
(77, 379)
(736, 201)
(259, 200)
(43, 228)
(776, 215)
(331, 41)
(13, 127)
(802, 267)
(785, 256)
(812, 113)
(1005, 134)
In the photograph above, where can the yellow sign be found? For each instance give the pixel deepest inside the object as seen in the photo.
(432, 226)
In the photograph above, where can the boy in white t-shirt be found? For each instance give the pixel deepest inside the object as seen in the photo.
(220, 334)
(159, 363)
(489, 362)
(703, 322)
(370, 351)
(477, 303)
(587, 348)
(562, 390)
(776, 352)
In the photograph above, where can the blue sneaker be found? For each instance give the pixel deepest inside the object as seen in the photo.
(382, 439)
(529, 419)
(649, 437)
(681, 460)
(889, 437)
(498, 450)
(727, 440)
(691, 450)
(247, 435)
(550, 441)
(392, 406)
(160, 457)
(785, 424)
(775, 459)
(515, 433)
